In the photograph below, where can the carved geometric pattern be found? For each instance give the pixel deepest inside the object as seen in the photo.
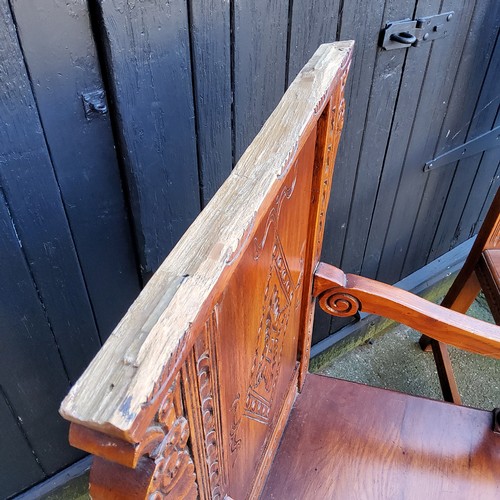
(208, 387)
(266, 365)
(174, 475)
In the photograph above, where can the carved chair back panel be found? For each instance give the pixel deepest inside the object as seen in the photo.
(258, 319)
(190, 395)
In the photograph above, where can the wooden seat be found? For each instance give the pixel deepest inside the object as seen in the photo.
(191, 394)
(481, 270)
(388, 445)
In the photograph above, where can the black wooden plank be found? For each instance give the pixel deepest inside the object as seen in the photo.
(360, 21)
(480, 195)
(456, 129)
(82, 150)
(404, 115)
(32, 375)
(18, 466)
(31, 190)
(260, 41)
(383, 98)
(148, 61)
(211, 57)
(493, 188)
(468, 172)
(312, 23)
(431, 111)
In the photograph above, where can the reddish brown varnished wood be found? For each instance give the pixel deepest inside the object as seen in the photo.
(328, 137)
(474, 275)
(488, 273)
(344, 294)
(165, 469)
(444, 368)
(379, 444)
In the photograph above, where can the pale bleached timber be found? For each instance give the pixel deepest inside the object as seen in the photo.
(121, 378)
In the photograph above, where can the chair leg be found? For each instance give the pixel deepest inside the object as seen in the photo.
(445, 372)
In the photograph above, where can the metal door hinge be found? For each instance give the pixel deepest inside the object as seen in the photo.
(412, 33)
(488, 140)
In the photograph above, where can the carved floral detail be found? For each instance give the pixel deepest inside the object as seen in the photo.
(174, 475)
(337, 302)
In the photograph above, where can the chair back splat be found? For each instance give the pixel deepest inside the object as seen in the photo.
(191, 392)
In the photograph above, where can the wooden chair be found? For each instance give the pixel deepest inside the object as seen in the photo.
(481, 270)
(202, 390)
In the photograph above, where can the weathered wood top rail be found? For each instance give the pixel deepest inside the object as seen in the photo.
(140, 359)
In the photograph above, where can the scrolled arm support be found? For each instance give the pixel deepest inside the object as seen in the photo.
(337, 302)
(342, 294)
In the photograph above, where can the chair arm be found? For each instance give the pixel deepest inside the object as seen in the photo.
(343, 294)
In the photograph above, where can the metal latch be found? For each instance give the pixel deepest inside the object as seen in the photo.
(408, 33)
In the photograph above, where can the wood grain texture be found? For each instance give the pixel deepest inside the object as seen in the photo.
(27, 173)
(148, 59)
(344, 294)
(426, 127)
(384, 92)
(389, 184)
(312, 23)
(211, 60)
(20, 468)
(360, 21)
(165, 469)
(87, 172)
(259, 66)
(121, 387)
(259, 327)
(382, 444)
(456, 129)
(327, 140)
(32, 375)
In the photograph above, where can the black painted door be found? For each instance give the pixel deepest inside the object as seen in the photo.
(68, 268)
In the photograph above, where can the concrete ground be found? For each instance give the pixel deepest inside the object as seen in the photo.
(395, 361)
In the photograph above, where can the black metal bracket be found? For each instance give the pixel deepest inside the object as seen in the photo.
(412, 33)
(94, 103)
(489, 140)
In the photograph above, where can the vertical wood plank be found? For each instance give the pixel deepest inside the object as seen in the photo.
(32, 375)
(482, 193)
(19, 468)
(384, 92)
(211, 57)
(148, 60)
(32, 192)
(82, 150)
(456, 129)
(429, 117)
(312, 23)
(472, 172)
(260, 40)
(404, 115)
(360, 21)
